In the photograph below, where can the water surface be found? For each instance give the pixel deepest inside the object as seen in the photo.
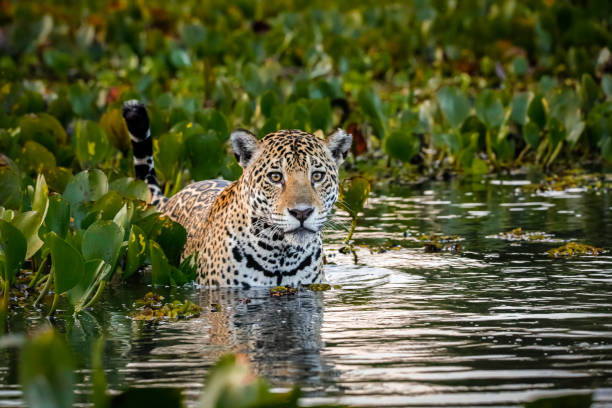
(496, 324)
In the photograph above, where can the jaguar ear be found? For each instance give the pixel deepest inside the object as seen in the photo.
(339, 144)
(245, 145)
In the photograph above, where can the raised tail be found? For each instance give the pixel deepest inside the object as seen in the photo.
(137, 120)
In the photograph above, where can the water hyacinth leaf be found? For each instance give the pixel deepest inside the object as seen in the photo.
(35, 158)
(531, 134)
(556, 131)
(40, 198)
(68, 264)
(320, 114)
(212, 119)
(44, 129)
(353, 195)
(10, 184)
(58, 215)
(206, 153)
(113, 125)
(58, 178)
(123, 218)
(519, 107)
(489, 109)
(47, 372)
(130, 187)
(189, 267)
(29, 223)
(161, 270)
(479, 167)
(150, 397)
(402, 145)
(91, 269)
(92, 146)
(606, 85)
(83, 188)
(370, 103)
(13, 247)
(168, 153)
(268, 101)
(537, 112)
(137, 251)
(454, 104)
(108, 205)
(589, 92)
(102, 240)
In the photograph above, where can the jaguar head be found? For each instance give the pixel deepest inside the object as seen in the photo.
(290, 180)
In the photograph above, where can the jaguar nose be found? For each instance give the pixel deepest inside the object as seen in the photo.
(301, 215)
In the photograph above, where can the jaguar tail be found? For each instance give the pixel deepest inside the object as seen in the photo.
(137, 121)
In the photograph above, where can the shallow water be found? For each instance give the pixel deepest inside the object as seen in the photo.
(497, 324)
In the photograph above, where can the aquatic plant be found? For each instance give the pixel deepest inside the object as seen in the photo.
(46, 367)
(152, 307)
(574, 249)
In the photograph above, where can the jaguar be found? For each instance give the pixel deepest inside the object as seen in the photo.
(264, 229)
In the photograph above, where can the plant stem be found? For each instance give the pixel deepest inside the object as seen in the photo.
(40, 267)
(97, 295)
(45, 288)
(353, 226)
(55, 297)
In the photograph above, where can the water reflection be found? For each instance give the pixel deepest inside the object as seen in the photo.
(494, 325)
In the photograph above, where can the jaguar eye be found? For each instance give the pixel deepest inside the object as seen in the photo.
(317, 176)
(275, 176)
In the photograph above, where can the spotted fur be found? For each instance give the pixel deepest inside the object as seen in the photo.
(259, 230)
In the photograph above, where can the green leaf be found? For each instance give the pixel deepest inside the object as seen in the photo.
(519, 107)
(370, 103)
(531, 134)
(92, 145)
(206, 153)
(556, 131)
(44, 129)
(320, 114)
(161, 270)
(489, 109)
(589, 92)
(402, 145)
(520, 66)
(10, 184)
(131, 188)
(268, 101)
(536, 111)
(35, 158)
(479, 167)
(83, 188)
(91, 269)
(40, 198)
(108, 205)
(606, 85)
(353, 195)
(46, 372)
(29, 223)
(115, 129)
(102, 240)
(13, 247)
(454, 104)
(212, 119)
(68, 264)
(136, 251)
(58, 215)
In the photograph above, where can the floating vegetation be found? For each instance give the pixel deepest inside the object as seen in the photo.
(570, 180)
(574, 249)
(278, 291)
(152, 307)
(441, 243)
(320, 287)
(517, 234)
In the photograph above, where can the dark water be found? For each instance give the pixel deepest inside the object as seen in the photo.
(497, 324)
